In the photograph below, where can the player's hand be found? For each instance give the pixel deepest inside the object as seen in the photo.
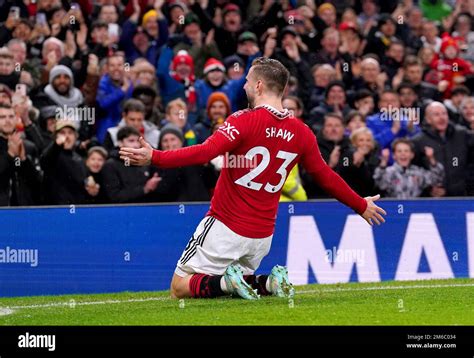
(373, 212)
(140, 157)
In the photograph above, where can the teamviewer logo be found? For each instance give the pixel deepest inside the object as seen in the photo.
(229, 131)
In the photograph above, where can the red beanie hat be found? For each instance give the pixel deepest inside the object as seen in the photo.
(449, 41)
(212, 65)
(182, 57)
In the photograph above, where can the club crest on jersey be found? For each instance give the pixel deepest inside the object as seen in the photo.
(229, 130)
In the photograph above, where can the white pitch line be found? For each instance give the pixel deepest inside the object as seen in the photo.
(6, 311)
(382, 288)
(11, 309)
(73, 303)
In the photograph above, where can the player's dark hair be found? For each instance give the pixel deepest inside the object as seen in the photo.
(403, 141)
(133, 105)
(272, 73)
(126, 132)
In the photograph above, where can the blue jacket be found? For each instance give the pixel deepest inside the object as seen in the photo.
(381, 126)
(109, 99)
(234, 89)
(129, 30)
(171, 89)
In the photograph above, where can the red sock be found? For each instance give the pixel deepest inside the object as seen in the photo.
(205, 286)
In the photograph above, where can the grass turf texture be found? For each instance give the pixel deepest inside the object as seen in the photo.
(434, 302)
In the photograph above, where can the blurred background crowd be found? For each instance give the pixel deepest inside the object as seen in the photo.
(386, 87)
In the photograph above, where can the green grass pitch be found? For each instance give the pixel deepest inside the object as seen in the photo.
(434, 302)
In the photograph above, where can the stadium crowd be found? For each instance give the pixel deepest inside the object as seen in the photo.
(386, 87)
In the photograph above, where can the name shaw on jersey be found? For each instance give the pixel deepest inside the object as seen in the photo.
(274, 132)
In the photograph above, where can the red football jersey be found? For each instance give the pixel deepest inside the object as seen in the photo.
(261, 146)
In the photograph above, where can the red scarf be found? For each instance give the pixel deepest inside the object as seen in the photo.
(189, 90)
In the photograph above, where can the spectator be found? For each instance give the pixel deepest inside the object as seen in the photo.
(235, 67)
(61, 91)
(30, 68)
(364, 102)
(8, 75)
(379, 40)
(145, 40)
(125, 183)
(148, 96)
(19, 179)
(452, 146)
(453, 105)
(96, 157)
(403, 180)
(176, 79)
(335, 149)
(133, 115)
(192, 183)
(335, 101)
(218, 109)
(413, 70)
(200, 47)
(64, 170)
(467, 113)
(177, 114)
(450, 69)
(215, 81)
(390, 123)
(364, 161)
(464, 35)
(430, 36)
(294, 105)
(322, 75)
(114, 87)
(353, 121)
(330, 48)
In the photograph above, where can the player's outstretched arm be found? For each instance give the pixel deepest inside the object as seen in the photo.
(198, 154)
(334, 185)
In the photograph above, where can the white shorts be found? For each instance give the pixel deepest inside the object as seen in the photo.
(214, 247)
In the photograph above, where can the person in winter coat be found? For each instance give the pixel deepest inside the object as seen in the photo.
(215, 81)
(19, 179)
(218, 109)
(452, 145)
(114, 87)
(64, 170)
(133, 115)
(145, 40)
(125, 183)
(176, 78)
(403, 180)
